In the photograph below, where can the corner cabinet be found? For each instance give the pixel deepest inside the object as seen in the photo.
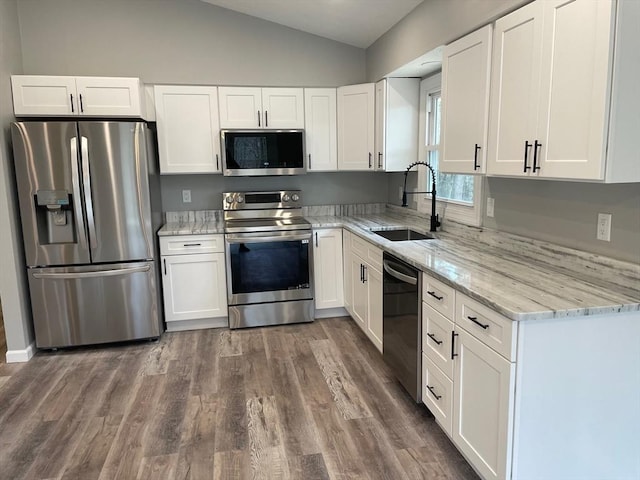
(252, 107)
(45, 95)
(328, 268)
(188, 129)
(552, 85)
(194, 281)
(465, 103)
(320, 124)
(397, 107)
(356, 122)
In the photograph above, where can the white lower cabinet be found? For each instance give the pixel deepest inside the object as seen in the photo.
(348, 276)
(327, 268)
(194, 282)
(483, 388)
(437, 393)
(366, 288)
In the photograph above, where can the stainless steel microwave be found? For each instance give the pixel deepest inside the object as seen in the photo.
(262, 152)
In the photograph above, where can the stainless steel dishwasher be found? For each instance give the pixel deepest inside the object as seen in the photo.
(402, 322)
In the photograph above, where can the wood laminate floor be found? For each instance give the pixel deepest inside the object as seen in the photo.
(310, 401)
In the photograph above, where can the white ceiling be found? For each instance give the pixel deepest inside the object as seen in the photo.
(354, 22)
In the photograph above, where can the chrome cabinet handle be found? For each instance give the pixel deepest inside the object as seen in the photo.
(431, 390)
(433, 294)
(433, 337)
(475, 320)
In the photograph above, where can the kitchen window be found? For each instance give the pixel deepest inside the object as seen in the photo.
(459, 196)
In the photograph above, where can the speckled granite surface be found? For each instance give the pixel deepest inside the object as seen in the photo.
(521, 278)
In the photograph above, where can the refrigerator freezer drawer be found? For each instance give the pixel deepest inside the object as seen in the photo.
(94, 304)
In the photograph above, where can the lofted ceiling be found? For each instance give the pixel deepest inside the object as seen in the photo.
(354, 22)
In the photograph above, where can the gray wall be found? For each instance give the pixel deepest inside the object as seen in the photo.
(567, 212)
(13, 287)
(429, 25)
(317, 188)
(178, 41)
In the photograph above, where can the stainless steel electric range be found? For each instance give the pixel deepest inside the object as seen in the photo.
(269, 259)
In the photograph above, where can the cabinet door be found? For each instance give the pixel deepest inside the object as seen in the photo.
(356, 127)
(188, 129)
(373, 281)
(240, 107)
(515, 80)
(194, 286)
(109, 96)
(436, 339)
(360, 300)
(36, 95)
(573, 88)
(327, 268)
(401, 118)
(465, 103)
(321, 129)
(482, 406)
(283, 107)
(380, 125)
(348, 275)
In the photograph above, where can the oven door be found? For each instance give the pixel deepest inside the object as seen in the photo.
(269, 267)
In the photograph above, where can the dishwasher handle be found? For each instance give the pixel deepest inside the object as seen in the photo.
(403, 277)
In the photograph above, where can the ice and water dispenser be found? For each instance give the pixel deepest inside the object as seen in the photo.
(55, 217)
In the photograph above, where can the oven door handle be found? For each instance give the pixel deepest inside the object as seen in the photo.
(230, 238)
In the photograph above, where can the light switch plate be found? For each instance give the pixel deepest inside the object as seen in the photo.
(491, 203)
(186, 196)
(604, 227)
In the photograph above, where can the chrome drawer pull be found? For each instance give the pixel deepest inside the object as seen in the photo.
(432, 337)
(433, 294)
(475, 320)
(438, 397)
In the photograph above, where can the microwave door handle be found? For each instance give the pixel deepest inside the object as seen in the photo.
(88, 200)
(77, 196)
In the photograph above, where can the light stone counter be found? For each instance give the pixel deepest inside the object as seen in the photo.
(521, 278)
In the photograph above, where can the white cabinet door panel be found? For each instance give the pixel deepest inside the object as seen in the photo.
(356, 127)
(240, 107)
(373, 281)
(514, 90)
(327, 268)
(109, 96)
(321, 129)
(283, 107)
(44, 95)
(188, 129)
(465, 103)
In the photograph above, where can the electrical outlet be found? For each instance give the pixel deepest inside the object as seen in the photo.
(604, 227)
(400, 193)
(491, 203)
(186, 196)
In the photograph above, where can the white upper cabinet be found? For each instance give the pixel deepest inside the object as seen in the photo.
(188, 129)
(356, 115)
(465, 103)
(397, 106)
(251, 107)
(321, 129)
(554, 75)
(43, 95)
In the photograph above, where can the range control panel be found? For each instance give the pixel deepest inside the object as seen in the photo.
(261, 200)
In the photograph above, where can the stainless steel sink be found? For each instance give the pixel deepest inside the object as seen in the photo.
(403, 235)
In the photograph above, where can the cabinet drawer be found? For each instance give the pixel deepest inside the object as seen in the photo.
(491, 328)
(436, 339)
(438, 295)
(437, 393)
(368, 252)
(188, 244)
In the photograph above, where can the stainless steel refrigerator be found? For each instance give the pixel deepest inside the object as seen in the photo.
(85, 205)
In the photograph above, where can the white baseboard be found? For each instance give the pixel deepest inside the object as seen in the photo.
(19, 356)
(199, 324)
(331, 312)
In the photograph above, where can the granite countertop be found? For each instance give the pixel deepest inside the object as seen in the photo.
(521, 278)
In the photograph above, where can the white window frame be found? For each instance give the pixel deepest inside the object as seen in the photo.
(469, 214)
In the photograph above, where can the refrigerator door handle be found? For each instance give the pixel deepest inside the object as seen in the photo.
(88, 201)
(101, 273)
(77, 202)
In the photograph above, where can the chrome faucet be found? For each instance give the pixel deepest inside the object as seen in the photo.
(435, 221)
